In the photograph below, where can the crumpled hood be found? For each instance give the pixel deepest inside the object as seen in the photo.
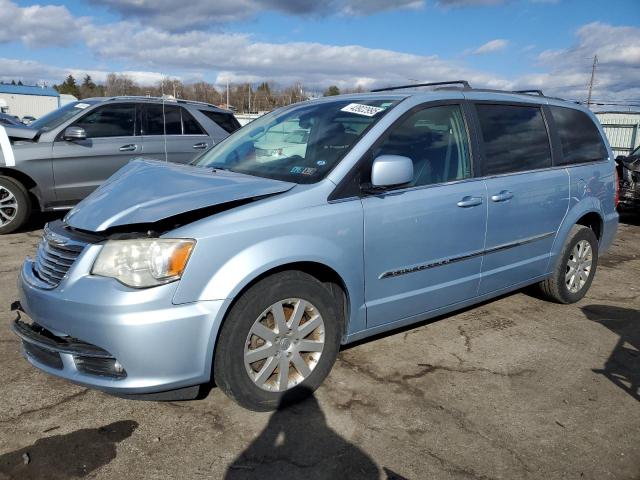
(147, 191)
(18, 132)
(9, 133)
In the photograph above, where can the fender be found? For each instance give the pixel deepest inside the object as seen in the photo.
(257, 259)
(579, 210)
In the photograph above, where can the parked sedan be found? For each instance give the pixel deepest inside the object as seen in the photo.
(65, 155)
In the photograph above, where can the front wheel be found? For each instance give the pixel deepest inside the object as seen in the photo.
(576, 267)
(280, 338)
(15, 205)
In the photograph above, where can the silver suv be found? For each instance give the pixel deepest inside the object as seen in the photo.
(65, 155)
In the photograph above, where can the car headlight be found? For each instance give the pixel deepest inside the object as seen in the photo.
(145, 262)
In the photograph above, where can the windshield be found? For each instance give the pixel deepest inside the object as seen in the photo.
(299, 144)
(56, 118)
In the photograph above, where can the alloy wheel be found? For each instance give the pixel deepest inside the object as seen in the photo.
(579, 266)
(284, 345)
(8, 206)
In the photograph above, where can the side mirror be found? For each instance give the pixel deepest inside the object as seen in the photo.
(391, 170)
(75, 133)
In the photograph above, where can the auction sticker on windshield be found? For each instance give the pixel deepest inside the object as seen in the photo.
(358, 108)
(82, 106)
(5, 147)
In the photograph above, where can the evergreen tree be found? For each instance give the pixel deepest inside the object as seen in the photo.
(331, 91)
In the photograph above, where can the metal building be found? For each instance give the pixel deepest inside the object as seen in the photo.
(29, 100)
(622, 130)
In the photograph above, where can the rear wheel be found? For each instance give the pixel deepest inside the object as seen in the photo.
(576, 267)
(15, 205)
(280, 338)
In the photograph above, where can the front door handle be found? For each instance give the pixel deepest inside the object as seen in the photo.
(132, 147)
(503, 196)
(200, 146)
(467, 202)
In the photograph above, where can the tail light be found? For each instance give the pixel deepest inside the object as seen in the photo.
(617, 197)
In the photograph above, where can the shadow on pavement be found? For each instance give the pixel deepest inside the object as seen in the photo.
(74, 455)
(298, 444)
(623, 366)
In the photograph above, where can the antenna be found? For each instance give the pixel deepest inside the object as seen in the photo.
(593, 77)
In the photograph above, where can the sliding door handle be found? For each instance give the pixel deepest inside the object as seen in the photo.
(129, 148)
(467, 202)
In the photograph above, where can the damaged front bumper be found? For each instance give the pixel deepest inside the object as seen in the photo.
(94, 332)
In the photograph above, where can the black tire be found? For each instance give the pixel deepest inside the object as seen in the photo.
(229, 367)
(23, 201)
(555, 287)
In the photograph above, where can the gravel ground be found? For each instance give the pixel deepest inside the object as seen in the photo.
(515, 388)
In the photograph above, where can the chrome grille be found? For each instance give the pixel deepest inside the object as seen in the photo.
(55, 256)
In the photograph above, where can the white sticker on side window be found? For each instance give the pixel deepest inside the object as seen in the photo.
(7, 150)
(358, 108)
(82, 106)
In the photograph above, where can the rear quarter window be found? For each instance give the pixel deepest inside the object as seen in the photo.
(226, 121)
(579, 137)
(515, 138)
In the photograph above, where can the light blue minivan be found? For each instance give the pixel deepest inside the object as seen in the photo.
(250, 270)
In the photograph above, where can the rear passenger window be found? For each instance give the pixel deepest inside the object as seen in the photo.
(190, 125)
(435, 139)
(579, 136)
(515, 138)
(226, 121)
(159, 115)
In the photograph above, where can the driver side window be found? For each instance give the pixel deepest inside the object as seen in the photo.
(436, 140)
(116, 120)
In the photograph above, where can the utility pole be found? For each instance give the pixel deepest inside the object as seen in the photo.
(593, 77)
(227, 93)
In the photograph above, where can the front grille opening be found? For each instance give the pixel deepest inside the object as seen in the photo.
(56, 254)
(42, 355)
(103, 367)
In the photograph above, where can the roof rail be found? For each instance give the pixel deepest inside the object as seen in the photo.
(165, 99)
(464, 83)
(530, 92)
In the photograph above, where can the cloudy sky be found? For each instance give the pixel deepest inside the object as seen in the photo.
(547, 44)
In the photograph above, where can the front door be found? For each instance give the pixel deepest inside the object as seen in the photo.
(80, 166)
(424, 242)
(527, 199)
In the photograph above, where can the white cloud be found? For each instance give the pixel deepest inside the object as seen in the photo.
(37, 25)
(238, 56)
(491, 46)
(148, 52)
(568, 70)
(31, 72)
